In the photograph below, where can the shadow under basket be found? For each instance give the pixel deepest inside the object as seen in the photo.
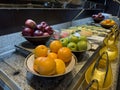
(79, 55)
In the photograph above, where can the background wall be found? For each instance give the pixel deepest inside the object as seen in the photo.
(12, 20)
(113, 8)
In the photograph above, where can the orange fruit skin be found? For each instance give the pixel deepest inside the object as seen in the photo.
(108, 22)
(45, 65)
(35, 65)
(60, 66)
(65, 54)
(112, 22)
(55, 46)
(52, 55)
(41, 51)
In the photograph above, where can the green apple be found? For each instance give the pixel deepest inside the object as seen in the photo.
(82, 45)
(64, 41)
(73, 38)
(72, 46)
(83, 38)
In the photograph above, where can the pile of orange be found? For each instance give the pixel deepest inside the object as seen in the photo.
(52, 60)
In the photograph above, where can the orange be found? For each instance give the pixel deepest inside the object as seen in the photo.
(35, 65)
(60, 66)
(41, 51)
(65, 54)
(52, 55)
(55, 46)
(108, 20)
(45, 65)
(112, 22)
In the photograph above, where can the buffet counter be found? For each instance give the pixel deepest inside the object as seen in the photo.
(12, 58)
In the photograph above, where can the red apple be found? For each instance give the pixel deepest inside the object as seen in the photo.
(30, 23)
(99, 14)
(98, 17)
(50, 31)
(45, 34)
(39, 26)
(93, 16)
(38, 33)
(27, 31)
(47, 28)
(43, 23)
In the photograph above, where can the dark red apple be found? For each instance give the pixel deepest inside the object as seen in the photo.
(38, 33)
(27, 31)
(43, 23)
(98, 17)
(45, 34)
(30, 23)
(99, 14)
(51, 32)
(47, 28)
(93, 16)
(39, 26)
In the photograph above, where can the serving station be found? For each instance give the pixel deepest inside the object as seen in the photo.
(15, 49)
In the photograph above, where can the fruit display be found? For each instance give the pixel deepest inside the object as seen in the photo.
(33, 29)
(98, 17)
(84, 30)
(37, 34)
(75, 43)
(51, 61)
(107, 23)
